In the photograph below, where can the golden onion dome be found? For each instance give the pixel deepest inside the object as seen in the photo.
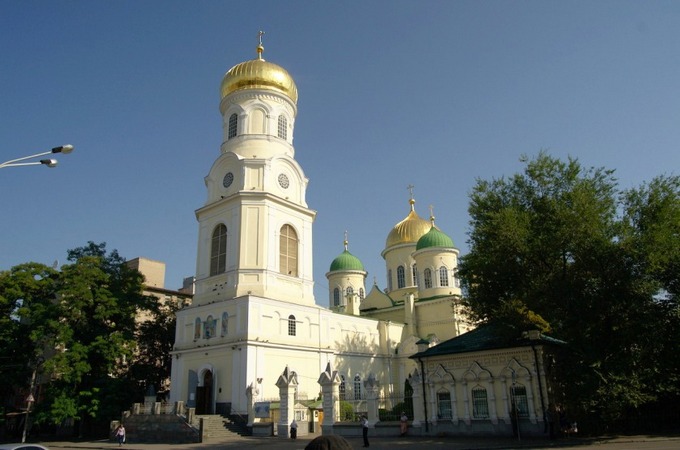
(409, 230)
(259, 74)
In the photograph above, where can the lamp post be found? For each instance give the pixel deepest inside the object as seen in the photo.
(64, 149)
(31, 399)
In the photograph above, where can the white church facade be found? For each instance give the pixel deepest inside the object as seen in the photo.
(254, 311)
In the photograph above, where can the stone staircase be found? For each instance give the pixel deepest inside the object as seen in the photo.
(219, 428)
(166, 428)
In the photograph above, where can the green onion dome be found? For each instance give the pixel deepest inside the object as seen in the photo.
(346, 261)
(434, 238)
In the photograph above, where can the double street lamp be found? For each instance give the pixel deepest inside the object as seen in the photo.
(64, 149)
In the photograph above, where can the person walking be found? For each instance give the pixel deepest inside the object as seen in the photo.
(120, 434)
(403, 424)
(364, 426)
(293, 429)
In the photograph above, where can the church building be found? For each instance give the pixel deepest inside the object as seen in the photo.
(254, 313)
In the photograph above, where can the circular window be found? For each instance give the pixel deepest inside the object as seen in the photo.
(228, 179)
(283, 181)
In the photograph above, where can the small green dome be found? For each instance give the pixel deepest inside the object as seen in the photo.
(434, 238)
(346, 261)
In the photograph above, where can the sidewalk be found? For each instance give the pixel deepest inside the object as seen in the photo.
(405, 443)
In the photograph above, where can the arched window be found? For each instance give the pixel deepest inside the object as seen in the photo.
(389, 280)
(283, 127)
(336, 297)
(218, 250)
(225, 323)
(444, 404)
(288, 253)
(291, 325)
(480, 404)
(357, 387)
(415, 275)
(209, 328)
(233, 123)
(427, 275)
(518, 397)
(443, 276)
(197, 328)
(361, 294)
(350, 291)
(342, 388)
(401, 277)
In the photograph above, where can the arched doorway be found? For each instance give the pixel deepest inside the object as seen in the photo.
(204, 404)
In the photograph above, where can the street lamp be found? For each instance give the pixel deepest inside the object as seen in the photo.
(31, 398)
(64, 149)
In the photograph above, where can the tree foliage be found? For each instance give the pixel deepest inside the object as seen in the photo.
(79, 320)
(560, 248)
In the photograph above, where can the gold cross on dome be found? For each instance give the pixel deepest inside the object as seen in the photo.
(410, 190)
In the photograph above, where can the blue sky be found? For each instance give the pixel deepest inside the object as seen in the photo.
(431, 93)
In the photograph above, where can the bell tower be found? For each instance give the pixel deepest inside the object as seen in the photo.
(255, 229)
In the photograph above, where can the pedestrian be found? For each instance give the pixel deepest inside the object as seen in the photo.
(364, 426)
(120, 434)
(403, 423)
(293, 429)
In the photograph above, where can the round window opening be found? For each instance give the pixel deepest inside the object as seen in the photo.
(283, 181)
(228, 179)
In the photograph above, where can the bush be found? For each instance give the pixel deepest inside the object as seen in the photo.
(346, 411)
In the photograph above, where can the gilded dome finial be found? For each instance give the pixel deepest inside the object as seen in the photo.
(260, 47)
(432, 215)
(346, 242)
(411, 201)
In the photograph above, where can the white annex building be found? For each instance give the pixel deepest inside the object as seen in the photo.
(254, 312)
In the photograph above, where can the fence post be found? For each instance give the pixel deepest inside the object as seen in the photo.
(415, 381)
(179, 407)
(372, 387)
(251, 394)
(286, 383)
(330, 382)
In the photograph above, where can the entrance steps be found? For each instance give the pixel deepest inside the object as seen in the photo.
(218, 428)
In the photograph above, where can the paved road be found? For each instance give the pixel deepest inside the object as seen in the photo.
(407, 443)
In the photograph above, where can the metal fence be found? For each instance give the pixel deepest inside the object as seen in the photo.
(390, 408)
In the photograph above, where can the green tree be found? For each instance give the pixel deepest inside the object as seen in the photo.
(82, 320)
(26, 294)
(651, 234)
(155, 338)
(556, 248)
